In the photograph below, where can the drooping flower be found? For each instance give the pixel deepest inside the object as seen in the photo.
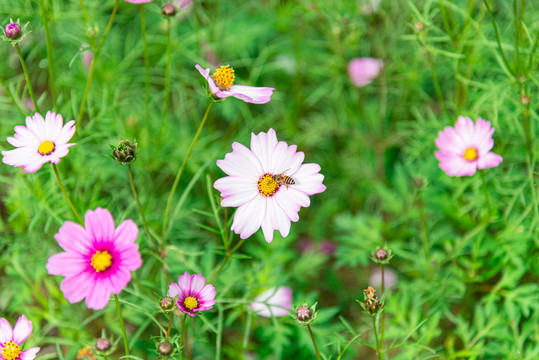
(39, 142)
(268, 184)
(98, 258)
(221, 85)
(193, 294)
(11, 340)
(273, 302)
(363, 71)
(466, 147)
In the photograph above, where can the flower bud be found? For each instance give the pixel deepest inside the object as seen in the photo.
(524, 99)
(125, 153)
(164, 348)
(166, 303)
(380, 254)
(102, 344)
(303, 313)
(419, 26)
(13, 31)
(169, 10)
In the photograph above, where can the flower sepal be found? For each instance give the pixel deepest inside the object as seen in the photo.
(304, 314)
(125, 153)
(105, 347)
(14, 32)
(382, 255)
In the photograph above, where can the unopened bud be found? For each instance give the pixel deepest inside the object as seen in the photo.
(125, 153)
(13, 31)
(102, 344)
(380, 254)
(169, 10)
(165, 348)
(419, 26)
(166, 303)
(524, 99)
(303, 313)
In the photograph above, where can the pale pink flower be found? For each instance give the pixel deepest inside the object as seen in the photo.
(11, 340)
(263, 198)
(273, 302)
(363, 71)
(98, 258)
(466, 147)
(193, 294)
(138, 1)
(39, 142)
(390, 278)
(221, 85)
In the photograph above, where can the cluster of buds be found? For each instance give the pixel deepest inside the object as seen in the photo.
(125, 153)
(382, 256)
(371, 304)
(305, 314)
(14, 32)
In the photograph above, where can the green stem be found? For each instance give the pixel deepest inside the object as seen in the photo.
(94, 60)
(485, 191)
(182, 335)
(314, 342)
(169, 325)
(87, 21)
(28, 83)
(66, 195)
(139, 207)
(44, 15)
(146, 56)
(425, 232)
(179, 174)
(166, 91)
(122, 325)
(506, 63)
(382, 320)
(225, 260)
(380, 354)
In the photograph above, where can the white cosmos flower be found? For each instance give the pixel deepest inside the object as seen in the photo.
(273, 302)
(262, 201)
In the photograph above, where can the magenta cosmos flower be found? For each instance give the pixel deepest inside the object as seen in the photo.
(39, 142)
(221, 85)
(12, 339)
(273, 302)
(268, 183)
(98, 258)
(466, 147)
(363, 71)
(193, 294)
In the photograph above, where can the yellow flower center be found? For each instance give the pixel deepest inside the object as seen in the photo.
(224, 77)
(190, 302)
(470, 154)
(267, 186)
(101, 261)
(11, 350)
(46, 147)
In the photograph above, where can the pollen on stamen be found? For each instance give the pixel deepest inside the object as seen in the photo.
(11, 350)
(470, 154)
(190, 302)
(267, 186)
(224, 77)
(46, 148)
(101, 261)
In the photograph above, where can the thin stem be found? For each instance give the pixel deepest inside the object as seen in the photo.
(485, 191)
(314, 342)
(141, 212)
(166, 91)
(225, 260)
(146, 56)
(383, 314)
(179, 174)
(66, 195)
(28, 83)
(182, 335)
(506, 63)
(122, 325)
(380, 354)
(87, 21)
(425, 232)
(94, 60)
(169, 325)
(44, 15)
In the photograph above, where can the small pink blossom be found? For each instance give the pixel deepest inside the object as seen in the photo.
(390, 278)
(363, 71)
(193, 294)
(138, 1)
(223, 87)
(273, 302)
(466, 147)
(39, 142)
(12, 339)
(263, 200)
(98, 258)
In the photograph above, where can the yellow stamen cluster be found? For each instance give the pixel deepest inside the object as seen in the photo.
(470, 154)
(101, 261)
(267, 186)
(11, 350)
(190, 302)
(224, 77)
(46, 147)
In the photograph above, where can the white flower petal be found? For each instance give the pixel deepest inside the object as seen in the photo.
(236, 191)
(241, 162)
(285, 159)
(309, 180)
(262, 146)
(275, 219)
(248, 217)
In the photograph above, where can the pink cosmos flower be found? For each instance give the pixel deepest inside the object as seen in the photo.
(12, 339)
(193, 294)
(221, 85)
(268, 183)
(466, 147)
(138, 1)
(39, 142)
(98, 258)
(363, 71)
(273, 302)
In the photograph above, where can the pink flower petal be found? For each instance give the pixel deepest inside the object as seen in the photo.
(173, 290)
(126, 234)
(67, 264)
(69, 231)
(363, 71)
(6, 332)
(98, 296)
(309, 180)
(273, 302)
(290, 200)
(236, 191)
(138, 1)
(207, 294)
(76, 288)
(262, 146)
(250, 94)
(196, 284)
(489, 160)
(99, 225)
(22, 329)
(206, 73)
(285, 159)
(241, 162)
(29, 354)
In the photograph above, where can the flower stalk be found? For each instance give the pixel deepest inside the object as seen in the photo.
(122, 325)
(314, 342)
(44, 16)
(146, 56)
(485, 191)
(383, 316)
(166, 90)
(27, 77)
(66, 195)
(139, 207)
